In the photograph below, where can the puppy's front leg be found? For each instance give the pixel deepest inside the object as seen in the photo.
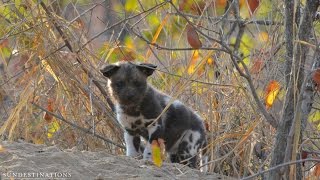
(154, 132)
(132, 144)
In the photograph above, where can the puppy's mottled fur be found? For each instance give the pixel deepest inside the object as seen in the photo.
(138, 104)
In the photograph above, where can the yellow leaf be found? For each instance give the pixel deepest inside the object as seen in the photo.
(314, 116)
(156, 153)
(210, 61)
(193, 63)
(49, 69)
(271, 97)
(263, 36)
(131, 5)
(272, 91)
(53, 127)
(156, 35)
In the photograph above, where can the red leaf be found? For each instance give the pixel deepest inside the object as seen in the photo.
(304, 155)
(253, 4)
(193, 37)
(47, 116)
(316, 77)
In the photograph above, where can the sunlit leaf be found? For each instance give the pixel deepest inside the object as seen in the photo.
(193, 37)
(272, 91)
(263, 36)
(53, 127)
(49, 69)
(153, 20)
(156, 35)
(210, 61)
(246, 45)
(129, 42)
(131, 5)
(194, 59)
(156, 153)
(314, 117)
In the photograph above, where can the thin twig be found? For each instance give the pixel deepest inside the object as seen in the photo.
(280, 166)
(244, 21)
(101, 89)
(88, 131)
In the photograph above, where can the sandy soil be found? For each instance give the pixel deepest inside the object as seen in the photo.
(23, 160)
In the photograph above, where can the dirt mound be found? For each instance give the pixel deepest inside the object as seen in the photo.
(25, 160)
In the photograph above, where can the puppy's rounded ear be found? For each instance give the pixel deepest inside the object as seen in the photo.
(109, 70)
(147, 68)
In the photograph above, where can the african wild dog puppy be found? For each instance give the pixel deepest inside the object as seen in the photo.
(138, 104)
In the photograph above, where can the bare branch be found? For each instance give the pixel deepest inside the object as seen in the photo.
(280, 166)
(88, 131)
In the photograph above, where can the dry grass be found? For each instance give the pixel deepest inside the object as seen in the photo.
(45, 68)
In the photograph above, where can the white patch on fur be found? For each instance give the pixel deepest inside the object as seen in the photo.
(130, 149)
(195, 137)
(126, 120)
(147, 149)
(147, 152)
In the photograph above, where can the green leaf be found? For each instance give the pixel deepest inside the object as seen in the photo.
(131, 5)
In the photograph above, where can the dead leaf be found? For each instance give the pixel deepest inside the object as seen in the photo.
(316, 77)
(48, 117)
(193, 37)
(253, 5)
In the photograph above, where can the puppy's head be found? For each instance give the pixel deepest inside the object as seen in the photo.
(128, 81)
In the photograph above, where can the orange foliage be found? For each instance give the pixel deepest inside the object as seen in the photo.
(47, 116)
(272, 91)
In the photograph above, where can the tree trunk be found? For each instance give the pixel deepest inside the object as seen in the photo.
(294, 78)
